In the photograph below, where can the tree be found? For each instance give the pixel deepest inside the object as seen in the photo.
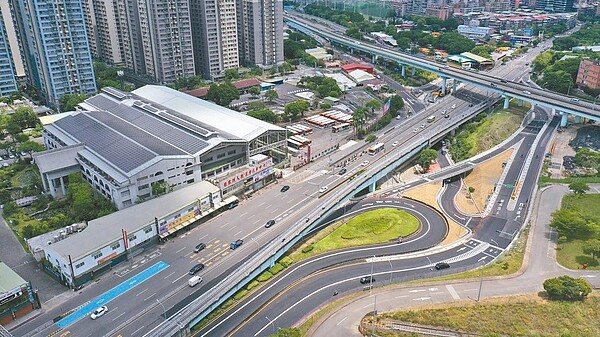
(371, 138)
(296, 109)
(30, 147)
(222, 94)
(426, 157)
(396, 104)
(264, 115)
(254, 91)
(571, 224)
(567, 288)
(231, 74)
(159, 187)
(358, 117)
(271, 95)
(592, 247)
(373, 105)
(579, 187)
(68, 102)
(25, 117)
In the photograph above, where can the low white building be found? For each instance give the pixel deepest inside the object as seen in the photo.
(111, 239)
(475, 33)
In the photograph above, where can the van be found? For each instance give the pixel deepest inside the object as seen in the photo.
(367, 279)
(574, 99)
(194, 280)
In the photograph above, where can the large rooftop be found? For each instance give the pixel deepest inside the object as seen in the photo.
(107, 229)
(212, 116)
(9, 280)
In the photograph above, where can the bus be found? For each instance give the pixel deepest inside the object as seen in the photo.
(375, 149)
(340, 127)
(294, 144)
(302, 140)
(430, 119)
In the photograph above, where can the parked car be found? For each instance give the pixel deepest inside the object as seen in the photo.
(199, 247)
(196, 268)
(343, 171)
(236, 244)
(99, 312)
(285, 188)
(233, 205)
(396, 143)
(323, 189)
(269, 223)
(365, 163)
(442, 265)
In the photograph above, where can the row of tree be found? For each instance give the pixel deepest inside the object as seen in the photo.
(12, 126)
(323, 86)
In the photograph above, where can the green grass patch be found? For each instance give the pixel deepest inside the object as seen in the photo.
(588, 205)
(587, 180)
(308, 322)
(252, 285)
(513, 316)
(222, 308)
(276, 268)
(570, 255)
(265, 276)
(25, 178)
(240, 294)
(377, 226)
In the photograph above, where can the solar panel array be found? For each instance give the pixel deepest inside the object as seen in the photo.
(114, 92)
(180, 121)
(128, 137)
(111, 145)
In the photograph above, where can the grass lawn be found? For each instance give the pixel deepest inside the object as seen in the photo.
(570, 254)
(24, 178)
(377, 226)
(513, 316)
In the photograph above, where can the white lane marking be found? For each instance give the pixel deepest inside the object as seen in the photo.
(421, 298)
(241, 215)
(238, 233)
(177, 252)
(416, 290)
(114, 319)
(136, 331)
(401, 296)
(166, 277)
(343, 319)
(224, 225)
(147, 298)
(179, 278)
(141, 292)
(452, 292)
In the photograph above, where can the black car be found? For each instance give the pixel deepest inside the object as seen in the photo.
(233, 205)
(285, 188)
(196, 268)
(442, 265)
(200, 247)
(270, 223)
(343, 171)
(367, 279)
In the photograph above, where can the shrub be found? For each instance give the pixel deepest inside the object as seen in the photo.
(307, 248)
(264, 276)
(567, 288)
(252, 285)
(286, 261)
(370, 138)
(240, 294)
(276, 268)
(471, 189)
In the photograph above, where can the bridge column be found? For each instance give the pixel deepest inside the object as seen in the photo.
(413, 71)
(506, 102)
(455, 82)
(351, 50)
(520, 102)
(578, 119)
(444, 85)
(403, 70)
(373, 59)
(563, 119)
(372, 187)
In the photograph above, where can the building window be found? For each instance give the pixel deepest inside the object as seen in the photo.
(116, 245)
(143, 187)
(125, 193)
(132, 237)
(147, 230)
(79, 265)
(97, 255)
(220, 155)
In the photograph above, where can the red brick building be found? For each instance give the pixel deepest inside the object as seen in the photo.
(354, 66)
(589, 74)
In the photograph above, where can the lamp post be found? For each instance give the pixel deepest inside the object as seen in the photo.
(371, 283)
(480, 282)
(121, 73)
(391, 270)
(273, 324)
(164, 311)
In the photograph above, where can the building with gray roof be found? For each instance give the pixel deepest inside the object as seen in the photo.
(129, 146)
(17, 297)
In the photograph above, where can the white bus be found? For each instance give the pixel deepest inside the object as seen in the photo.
(375, 149)
(430, 119)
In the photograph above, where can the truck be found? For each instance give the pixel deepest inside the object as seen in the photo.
(194, 280)
(430, 119)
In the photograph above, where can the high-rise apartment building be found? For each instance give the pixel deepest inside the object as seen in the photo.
(214, 32)
(260, 32)
(55, 48)
(8, 84)
(6, 14)
(557, 6)
(152, 37)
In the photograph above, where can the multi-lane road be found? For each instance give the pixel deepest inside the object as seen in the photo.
(142, 306)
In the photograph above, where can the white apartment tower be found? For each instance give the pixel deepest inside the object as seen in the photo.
(215, 37)
(150, 37)
(260, 32)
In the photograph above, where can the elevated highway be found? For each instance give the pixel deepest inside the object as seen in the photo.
(563, 104)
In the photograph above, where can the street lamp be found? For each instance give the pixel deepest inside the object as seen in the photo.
(164, 311)
(371, 283)
(273, 324)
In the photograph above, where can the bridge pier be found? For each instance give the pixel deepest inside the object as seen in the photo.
(506, 102)
(455, 82)
(413, 71)
(372, 186)
(563, 119)
(444, 80)
(373, 59)
(520, 102)
(403, 70)
(578, 119)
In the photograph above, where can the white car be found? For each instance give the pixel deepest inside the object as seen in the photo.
(99, 312)
(323, 189)
(423, 126)
(453, 106)
(415, 130)
(396, 143)
(365, 163)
